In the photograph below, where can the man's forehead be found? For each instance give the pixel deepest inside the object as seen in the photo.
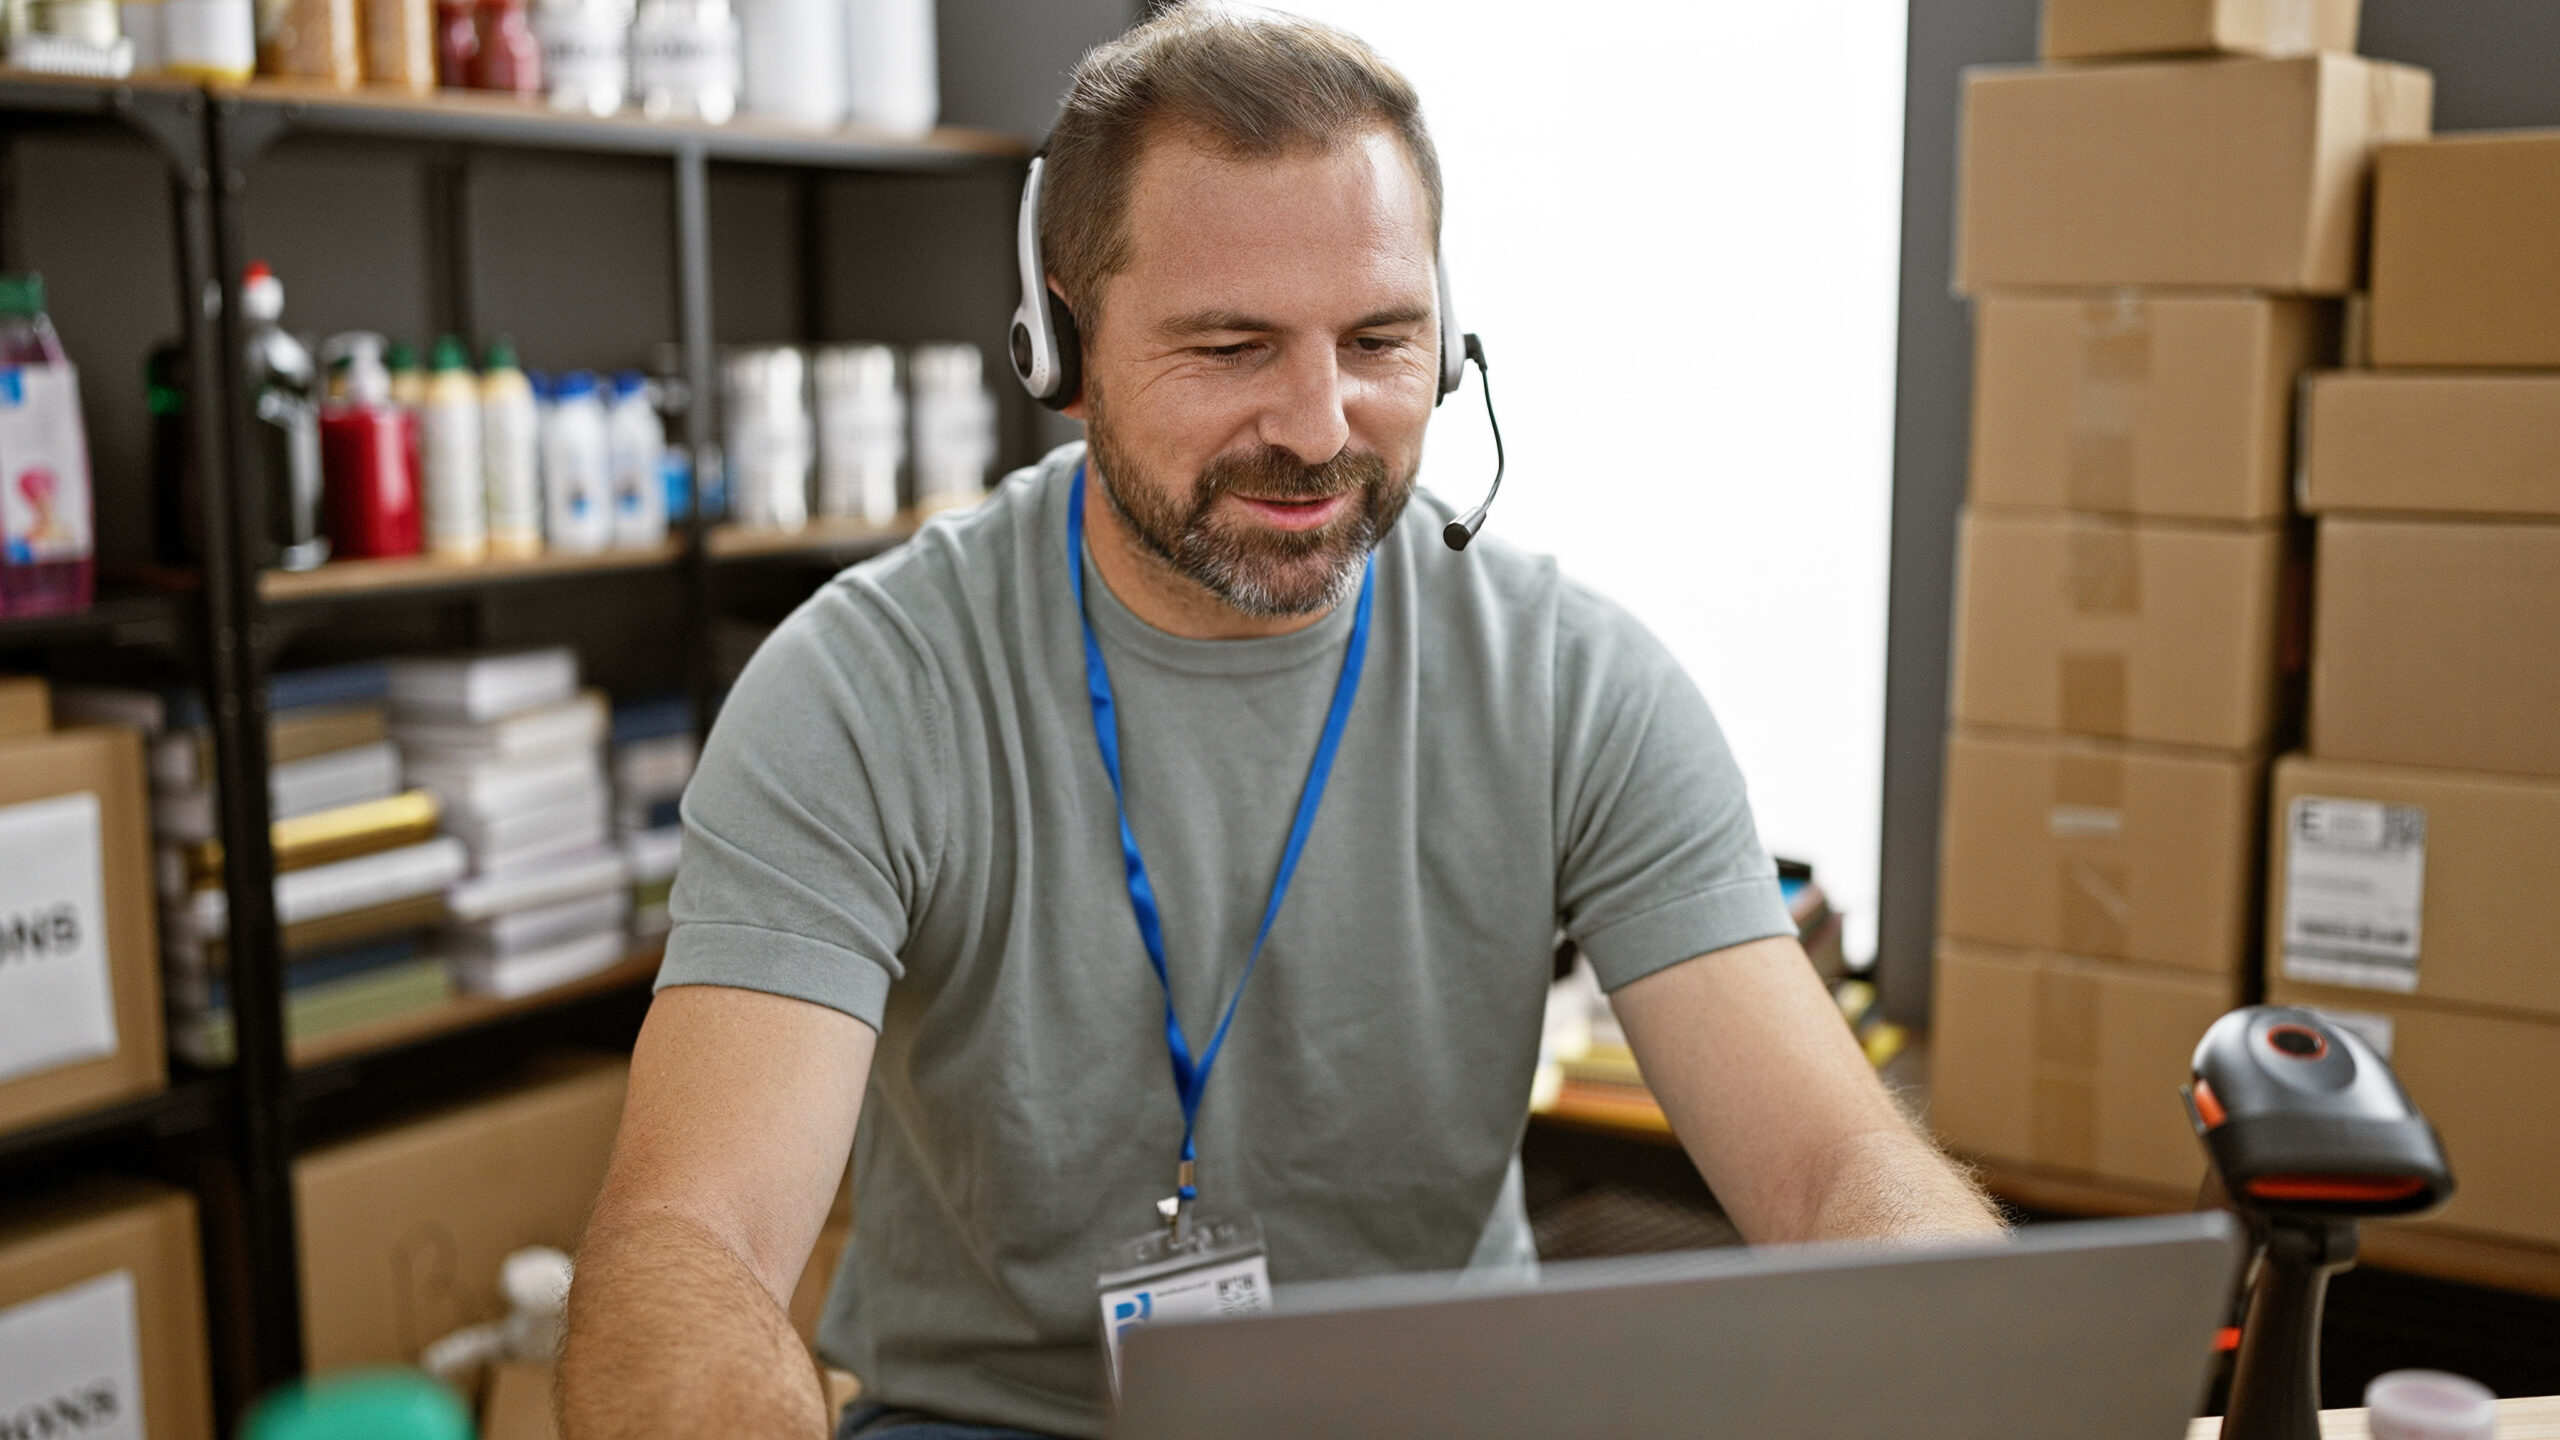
(1356, 213)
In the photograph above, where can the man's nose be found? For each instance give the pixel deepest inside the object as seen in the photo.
(1304, 414)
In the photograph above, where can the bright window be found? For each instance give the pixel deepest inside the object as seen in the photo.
(1675, 223)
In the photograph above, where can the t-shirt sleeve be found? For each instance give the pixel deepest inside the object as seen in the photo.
(1657, 857)
(814, 822)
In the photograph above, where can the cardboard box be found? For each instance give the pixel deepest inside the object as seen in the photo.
(2464, 268)
(2096, 848)
(2206, 174)
(2417, 442)
(2103, 29)
(26, 706)
(518, 1403)
(2485, 1082)
(2438, 643)
(403, 1230)
(2069, 1064)
(2425, 882)
(80, 1021)
(101, 1311)
(2159, 632)
(2176, 406)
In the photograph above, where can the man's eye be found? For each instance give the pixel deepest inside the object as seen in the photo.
(1379, 344)
(1227, 352)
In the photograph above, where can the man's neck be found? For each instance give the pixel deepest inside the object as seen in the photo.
(1156, 593)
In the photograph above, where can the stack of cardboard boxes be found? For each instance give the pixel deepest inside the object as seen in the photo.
(80, 1024)
(2150, 237)
(2414, 847)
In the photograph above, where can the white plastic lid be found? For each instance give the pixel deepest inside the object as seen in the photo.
(2430, 1405)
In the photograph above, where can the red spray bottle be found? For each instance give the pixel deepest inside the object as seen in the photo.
(368, 451)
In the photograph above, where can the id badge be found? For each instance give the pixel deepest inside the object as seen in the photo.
(1214, 1269)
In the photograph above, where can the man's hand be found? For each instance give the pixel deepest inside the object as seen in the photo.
(734, 1138)
(1771, 1097)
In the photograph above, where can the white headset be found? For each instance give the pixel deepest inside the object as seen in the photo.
(1048, 354)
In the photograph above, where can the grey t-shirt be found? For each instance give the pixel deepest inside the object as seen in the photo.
(902, 814)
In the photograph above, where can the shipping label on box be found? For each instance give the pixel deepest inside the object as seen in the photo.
(57, 998)
(71, 1363)
(2355, 877)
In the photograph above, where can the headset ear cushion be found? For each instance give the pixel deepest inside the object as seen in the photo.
(1070, 354)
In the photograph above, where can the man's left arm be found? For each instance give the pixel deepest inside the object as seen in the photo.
(1779, 1109)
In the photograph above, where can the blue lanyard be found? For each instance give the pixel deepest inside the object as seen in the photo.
(1191, 1079)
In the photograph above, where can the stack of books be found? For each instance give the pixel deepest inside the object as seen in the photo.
(515, 752)
(360, 868)
(653, 755)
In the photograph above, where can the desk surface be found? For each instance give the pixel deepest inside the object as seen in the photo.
(2537, 1419)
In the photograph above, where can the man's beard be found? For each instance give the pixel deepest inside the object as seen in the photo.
(1257, 570)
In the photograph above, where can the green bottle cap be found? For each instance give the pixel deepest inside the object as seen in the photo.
(401, 356)
(360, 1405)
(502, 354)
(449, 355)
(22, 294)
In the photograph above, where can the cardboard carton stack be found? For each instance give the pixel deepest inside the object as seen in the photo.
(80, 1020)
(2150, 234)
(2415, 846)
(514, 750)
(360, 870)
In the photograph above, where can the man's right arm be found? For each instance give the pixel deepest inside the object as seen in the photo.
(734, 1137)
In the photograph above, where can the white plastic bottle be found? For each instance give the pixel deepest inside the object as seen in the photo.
(586, 58)
(792, 61)
(456, 499)
(637, 445)
(511, 459)
(576, 479)
(684, 60)
(862, 431)
(889, 65)
(955, 424)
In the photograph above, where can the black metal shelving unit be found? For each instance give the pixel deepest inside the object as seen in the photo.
(234, 1134)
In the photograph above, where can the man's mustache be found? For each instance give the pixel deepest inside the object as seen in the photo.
(1272, 473)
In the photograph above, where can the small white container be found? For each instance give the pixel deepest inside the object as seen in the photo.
(791, 55)
(770, 446)
(586, 53)
(2430, 1405)
(862, 431)
(890, 61)
(955, 424)
(215, 40)
(684, 60)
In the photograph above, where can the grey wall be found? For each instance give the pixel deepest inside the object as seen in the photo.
(2494, 66)
(1005, 62)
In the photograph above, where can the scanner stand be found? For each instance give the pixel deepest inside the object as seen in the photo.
(2275, 1379)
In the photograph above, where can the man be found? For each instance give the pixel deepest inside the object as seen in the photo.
(905, 898)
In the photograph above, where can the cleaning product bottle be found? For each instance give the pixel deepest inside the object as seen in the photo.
(638, 447)
(284, 401)
(368, 449)
(408, 377)
(457, 44)
(577, 482)
(449, 425)
(47, 549)
(510, 58)
(510, 438)
(891, 79)
(311, 40)
(792, 61)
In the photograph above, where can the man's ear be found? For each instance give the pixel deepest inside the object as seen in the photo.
(1072, 351)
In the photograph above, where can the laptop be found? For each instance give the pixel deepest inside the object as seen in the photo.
(2102, 1329)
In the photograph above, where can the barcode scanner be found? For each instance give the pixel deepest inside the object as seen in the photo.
(2308, 1132)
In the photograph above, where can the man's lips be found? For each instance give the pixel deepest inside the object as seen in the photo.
(1295, 514)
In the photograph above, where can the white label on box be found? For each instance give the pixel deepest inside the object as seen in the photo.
(57, 999)
(2374, 1030)
(2354, 874)
(44, 466)
(71, 1363)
